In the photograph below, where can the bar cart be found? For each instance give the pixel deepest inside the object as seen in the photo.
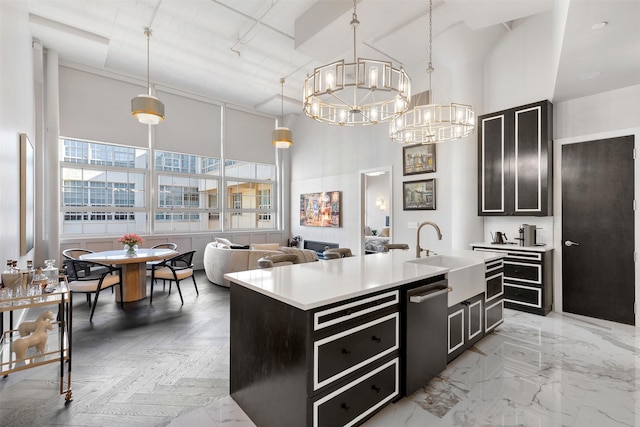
(58, 342)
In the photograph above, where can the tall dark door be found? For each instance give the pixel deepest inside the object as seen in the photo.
(598, 278)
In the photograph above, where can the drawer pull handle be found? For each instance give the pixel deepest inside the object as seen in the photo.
(375, 388)
(345, 407)
(376, 339)
(346, 352)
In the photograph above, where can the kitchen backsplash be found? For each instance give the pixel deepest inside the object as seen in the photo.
(511, 225)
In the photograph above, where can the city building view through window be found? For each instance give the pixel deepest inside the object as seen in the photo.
(112, 189)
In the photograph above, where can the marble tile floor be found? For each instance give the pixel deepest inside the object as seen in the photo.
(168, 365)
(558, 370)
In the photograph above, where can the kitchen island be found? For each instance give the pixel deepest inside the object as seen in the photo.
(324, 343)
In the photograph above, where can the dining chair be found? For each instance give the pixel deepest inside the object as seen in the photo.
(150, 264)
(86, 271)
(79, 283)
(174, 269)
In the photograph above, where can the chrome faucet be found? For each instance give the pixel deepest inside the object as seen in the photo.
(418, 248)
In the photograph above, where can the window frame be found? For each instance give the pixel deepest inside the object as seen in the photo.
(223, 212)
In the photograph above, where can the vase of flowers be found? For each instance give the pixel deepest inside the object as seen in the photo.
(130, 241)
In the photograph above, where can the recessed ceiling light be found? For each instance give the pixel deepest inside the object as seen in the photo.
(591, 75)
(599, 25)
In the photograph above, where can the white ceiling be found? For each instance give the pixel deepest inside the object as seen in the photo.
(237, 50)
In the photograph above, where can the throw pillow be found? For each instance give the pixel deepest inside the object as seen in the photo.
(384, 232)
(265, 246)
(223, 241)
(239, 246)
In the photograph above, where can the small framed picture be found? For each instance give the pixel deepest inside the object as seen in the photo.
(420, 158)
(419, 195)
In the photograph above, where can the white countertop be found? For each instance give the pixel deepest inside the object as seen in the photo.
(510, 247)
(315, 284)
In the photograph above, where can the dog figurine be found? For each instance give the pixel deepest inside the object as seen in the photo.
(26, 328)
(37, 339)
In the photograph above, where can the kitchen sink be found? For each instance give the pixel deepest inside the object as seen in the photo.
(465, 276)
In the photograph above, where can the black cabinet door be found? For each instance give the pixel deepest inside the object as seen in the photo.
(475, 322)
(465, 325)
(514, 161)
(457, 317)
(493, 165)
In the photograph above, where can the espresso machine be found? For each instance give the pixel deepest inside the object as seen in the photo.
(527, 235)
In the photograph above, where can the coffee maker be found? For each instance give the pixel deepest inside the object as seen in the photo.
(527, 235)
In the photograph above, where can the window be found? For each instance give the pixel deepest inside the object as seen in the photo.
(187, 192)
(265, 203)
(249, 189)
(103, 188)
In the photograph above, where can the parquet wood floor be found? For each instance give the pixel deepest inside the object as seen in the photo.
(141, 366)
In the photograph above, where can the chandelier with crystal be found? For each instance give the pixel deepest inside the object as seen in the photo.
(363, 92)
(148, 109)
(431, 123)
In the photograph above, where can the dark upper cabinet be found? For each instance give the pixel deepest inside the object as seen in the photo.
(515, 154)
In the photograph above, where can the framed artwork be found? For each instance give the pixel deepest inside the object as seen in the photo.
(320, 209)
(419, 195)
(27, 195)
(420, 158)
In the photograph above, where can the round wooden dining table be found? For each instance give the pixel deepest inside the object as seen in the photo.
(134, 270)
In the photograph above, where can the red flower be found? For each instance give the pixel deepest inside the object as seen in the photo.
(131, 239)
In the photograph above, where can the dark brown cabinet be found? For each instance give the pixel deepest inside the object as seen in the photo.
(528, 278)
(470, 320)
(515, 161)
(334, 365)
(494, 294)
(465, 325)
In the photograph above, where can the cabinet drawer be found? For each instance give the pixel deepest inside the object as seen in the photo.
(493, 315)
(340, 354)
(523, 295)
(344, 312)
(522, 271)
(493, 267)
(494, 287)
(355, 401)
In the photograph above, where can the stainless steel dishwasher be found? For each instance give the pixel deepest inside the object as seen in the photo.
(425, 334)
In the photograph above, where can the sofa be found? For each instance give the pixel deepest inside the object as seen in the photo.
(222, 257)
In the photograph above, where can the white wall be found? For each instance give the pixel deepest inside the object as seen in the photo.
(329, 158)
(16, 116)
(521, 69)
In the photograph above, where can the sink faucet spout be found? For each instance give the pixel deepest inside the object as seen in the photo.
(434, 225)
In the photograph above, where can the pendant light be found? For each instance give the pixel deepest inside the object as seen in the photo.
(431, 123)
(281, 136)
(363, 92)
(148, 109)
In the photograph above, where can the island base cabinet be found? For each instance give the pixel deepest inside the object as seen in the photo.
(494, 295)
(268, 368)
(465, 325)
(493, 316)
(333, 366)
(358, 400)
